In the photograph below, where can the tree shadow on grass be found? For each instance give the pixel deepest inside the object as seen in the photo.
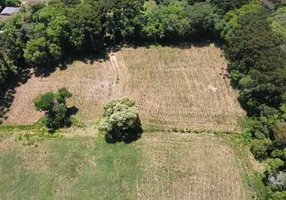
(72, 111)
(128, 136)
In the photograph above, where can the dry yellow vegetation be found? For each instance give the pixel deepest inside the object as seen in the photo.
(184, 88)
(190, 166)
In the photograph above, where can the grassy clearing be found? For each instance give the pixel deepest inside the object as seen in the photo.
(173, 87)
(158, 166)
(75, 168)
(252, 169)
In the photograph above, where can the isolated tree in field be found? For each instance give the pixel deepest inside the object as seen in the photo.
(120, 121)
(54, 106)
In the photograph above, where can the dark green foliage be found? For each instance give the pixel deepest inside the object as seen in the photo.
(120, 121)
(225, 5)
(86, 28)
(260, 148)
(177, 20)
(279, 153)
(10, 51)
(274, 164)
(44, 102)
(257, 66)
(54, 106)
(202, 18)
(257, 60)
(120, 19)
(62, 95)
(10, 2)
(278, 196)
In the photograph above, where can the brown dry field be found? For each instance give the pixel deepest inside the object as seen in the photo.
(173, 87)
(190, 166)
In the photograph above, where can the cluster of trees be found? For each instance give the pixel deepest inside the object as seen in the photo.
(253, 31)
(255, 47)
(44, 35)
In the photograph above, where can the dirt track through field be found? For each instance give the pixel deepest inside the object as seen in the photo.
(173, 88)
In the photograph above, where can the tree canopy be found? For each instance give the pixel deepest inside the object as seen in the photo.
(54, 106)
(120, 121)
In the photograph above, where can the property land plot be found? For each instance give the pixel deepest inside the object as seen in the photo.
(157, 166)
(90, 84)
(184, 88)
(188, 166)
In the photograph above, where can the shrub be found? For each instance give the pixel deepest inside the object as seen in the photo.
(278, 196)
(277, 153)
(120, 121)
(54, 106)
(274, 164)
(260, 148)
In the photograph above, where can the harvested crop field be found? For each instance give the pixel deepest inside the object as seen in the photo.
(158, 166)
(184, 88)
(184, 166)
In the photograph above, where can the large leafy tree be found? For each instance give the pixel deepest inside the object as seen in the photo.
(54, 106)
(120, 121)
(119, 19)
(86, 28)
(165, 21)
(202, 17)
(36, 51)
(48, 36)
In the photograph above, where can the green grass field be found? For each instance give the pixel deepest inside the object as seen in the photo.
(76, 168)
(157, 166)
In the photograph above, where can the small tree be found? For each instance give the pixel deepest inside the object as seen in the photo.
(260, 148)
(54, 106)
(120, 121)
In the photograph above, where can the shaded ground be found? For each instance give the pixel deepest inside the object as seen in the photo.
(7, 95)
(173, 87)
(158, 166)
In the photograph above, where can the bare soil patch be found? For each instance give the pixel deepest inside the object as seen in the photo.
(173, 87)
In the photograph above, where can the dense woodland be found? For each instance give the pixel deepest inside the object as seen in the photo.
(252, 34)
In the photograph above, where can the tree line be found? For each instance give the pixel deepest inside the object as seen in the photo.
(42, 35)
(253, 34)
